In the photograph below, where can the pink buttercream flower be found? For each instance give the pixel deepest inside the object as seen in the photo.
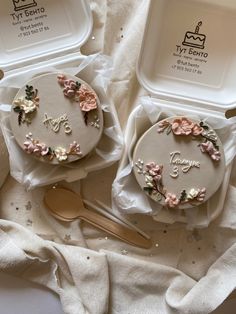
(155, 171)
(162, 126)
(182, 126)
(71, 84)
(171, 200)
(70, 88)
(201, 195)
(209, 148)
(75, 149)
(69, 92)
(197, 130)
(87, 99)
(29, 147)
(41, 149)
(61, 79)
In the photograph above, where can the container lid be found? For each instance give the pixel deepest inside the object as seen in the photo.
(189, 53)
(34, 30)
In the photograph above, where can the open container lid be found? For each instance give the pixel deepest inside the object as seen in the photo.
(34, 30)
(189, 52)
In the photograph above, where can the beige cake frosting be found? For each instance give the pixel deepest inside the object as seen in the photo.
(56, 118)
(179, 162)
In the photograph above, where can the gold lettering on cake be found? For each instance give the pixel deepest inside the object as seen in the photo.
(55, 124)
(185, 164)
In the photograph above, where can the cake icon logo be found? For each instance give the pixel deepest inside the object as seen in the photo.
(23, 4)
(195, 40)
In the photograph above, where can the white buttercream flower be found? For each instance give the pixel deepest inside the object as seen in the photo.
(149, 181)
(27, 105)
(61, 153)
(192, 194)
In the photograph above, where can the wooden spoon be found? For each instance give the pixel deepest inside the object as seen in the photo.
(59, 217)
(67, 205)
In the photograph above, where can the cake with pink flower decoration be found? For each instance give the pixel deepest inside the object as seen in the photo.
(57, 118)
(179, 162)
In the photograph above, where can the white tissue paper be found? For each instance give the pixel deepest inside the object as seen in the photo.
(127, 194)
(96, 71)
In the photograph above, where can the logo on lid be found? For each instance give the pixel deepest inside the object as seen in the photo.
(23, 4)
(195, 39)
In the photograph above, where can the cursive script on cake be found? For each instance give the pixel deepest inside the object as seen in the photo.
(185, 164)
(55, 124)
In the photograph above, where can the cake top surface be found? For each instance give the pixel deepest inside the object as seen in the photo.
(179, 162)
(56, 118)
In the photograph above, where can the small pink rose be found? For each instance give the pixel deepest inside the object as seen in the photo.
(171, 200)
(68, 92)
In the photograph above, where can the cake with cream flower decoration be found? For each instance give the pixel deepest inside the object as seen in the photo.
(179, 162)
(57, 118)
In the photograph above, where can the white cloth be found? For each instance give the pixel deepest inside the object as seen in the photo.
(184, 272)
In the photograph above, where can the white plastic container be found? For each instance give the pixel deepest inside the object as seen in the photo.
(187, 65)
(45, 32)
(38, 36)
(188, 54)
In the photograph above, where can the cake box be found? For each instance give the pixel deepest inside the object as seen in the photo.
(187, 60)
(42, 32)
(38, 37)
(188, 56)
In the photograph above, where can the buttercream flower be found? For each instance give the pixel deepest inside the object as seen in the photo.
(71, 84)
(61, 79)
(162, 126)
(155, 171)
(41, 149)
(61, 153)
(182, 126)
(201, 195)
(75, 149)
(192, 194)
(29, 147)
(69, 92)
(197, 130)
(27, 106)
(171, 200)
(209, 148)
(149, 181)
(87, 99)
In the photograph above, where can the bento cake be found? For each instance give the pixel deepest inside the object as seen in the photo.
(179, 162)
(56, 118)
